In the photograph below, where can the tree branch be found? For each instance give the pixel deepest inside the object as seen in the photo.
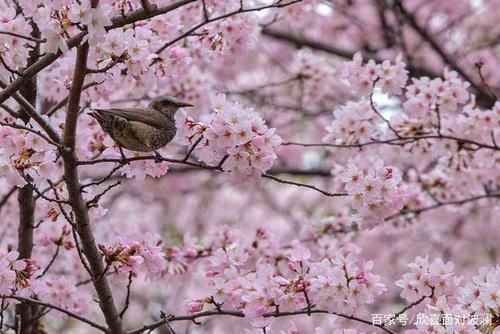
(27, 98)
(193, 317)
(298, 184)
(76, 200)
(64, 101)
(447, 59)
(57, 308)
(31, 111)
(28, 38)
(7, 196)
(127, 297)
(401, 141)
(417, 211)
(301, 42)
(278, 4)
(47, 60)
(203, 166)
(38, 133)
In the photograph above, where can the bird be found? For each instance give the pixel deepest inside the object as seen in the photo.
(141, 129)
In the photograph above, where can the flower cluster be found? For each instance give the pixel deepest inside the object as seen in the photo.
(316, 75)
(254, 286)
(482, 295)
(352, 124)
(426, 94)
(236, 136)
(389, 77)
(9, 266)
(374, 195)
(13, 49)
(428, 279)
(94, 18)
(231, 36)
(25, 156)
(473, 308)
(124, 257)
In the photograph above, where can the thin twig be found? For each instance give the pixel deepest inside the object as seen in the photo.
(403, 141)
(372, 105)
(193, 317)
(73, 230)
(51, 262)
(40, 194)
(64, 101)
(38, 133)
(28, 38)
(186, 158)
(406, 308)
(479, 66)
(96, 199)
(103, 179)
(298, 184)
(57, 308)
(31, 111)
(221, 17)
(417, 211)
(6, 197)
(8, 68)
(10, 111)
(203, 166)
(127, 297)
(105, 68)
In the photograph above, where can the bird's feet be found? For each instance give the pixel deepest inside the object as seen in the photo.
(124, 160)
(158, 158)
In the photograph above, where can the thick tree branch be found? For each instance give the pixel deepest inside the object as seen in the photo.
(80, 209)
(26, 200)
(25, 228)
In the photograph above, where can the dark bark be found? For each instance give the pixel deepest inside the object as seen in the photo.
(26, 200)
(80, 209)
(25, 247)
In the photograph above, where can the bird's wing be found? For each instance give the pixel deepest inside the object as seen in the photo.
(146, 116)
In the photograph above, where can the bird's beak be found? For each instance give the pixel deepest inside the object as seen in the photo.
(184, 104)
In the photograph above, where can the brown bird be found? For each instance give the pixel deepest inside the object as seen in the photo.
(141, 129)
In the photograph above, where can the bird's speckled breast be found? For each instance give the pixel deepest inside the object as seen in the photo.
(159, 138)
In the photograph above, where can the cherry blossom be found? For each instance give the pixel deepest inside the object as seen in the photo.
(375, 195)
(235, 136)
(340, 160)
